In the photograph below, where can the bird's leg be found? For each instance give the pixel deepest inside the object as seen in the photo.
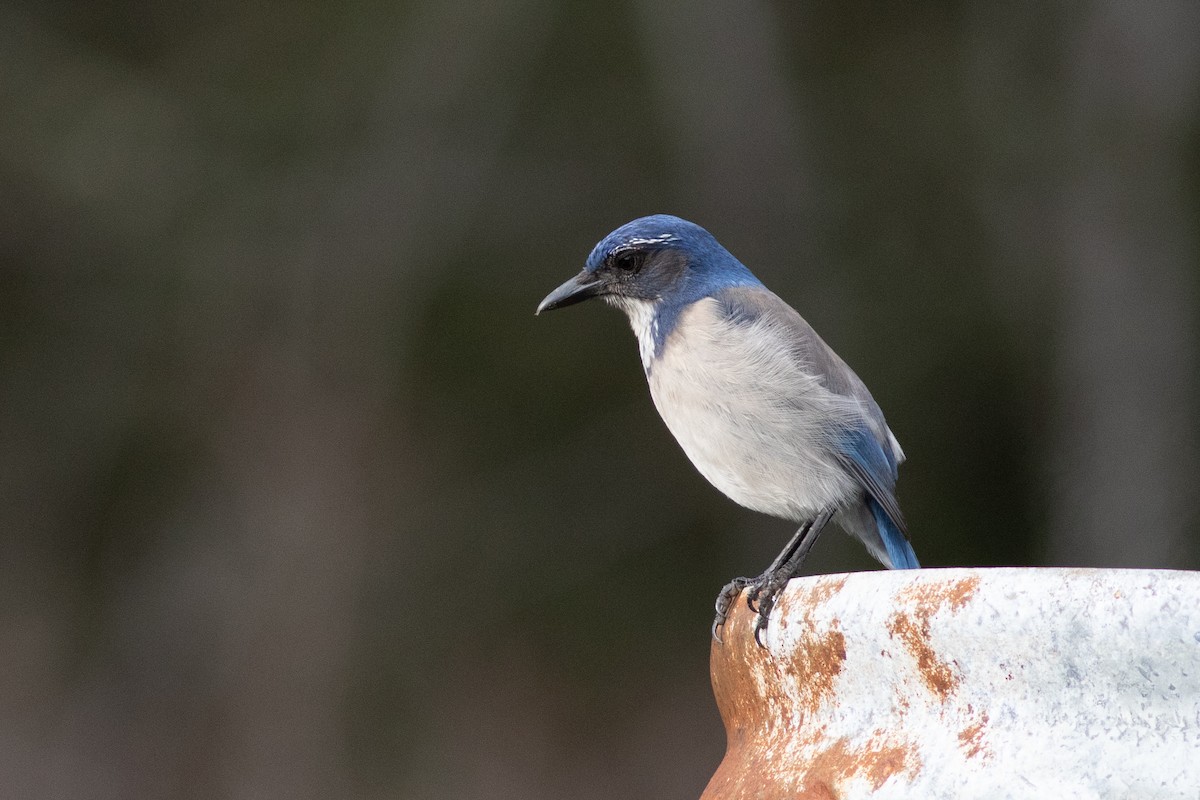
(732, 589)
(798, 541)
(766, 587)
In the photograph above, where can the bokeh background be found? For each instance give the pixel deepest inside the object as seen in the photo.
(297, 497)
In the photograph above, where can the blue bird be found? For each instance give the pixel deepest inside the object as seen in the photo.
(764, 409)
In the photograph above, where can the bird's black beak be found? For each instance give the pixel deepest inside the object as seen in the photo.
(578, 289)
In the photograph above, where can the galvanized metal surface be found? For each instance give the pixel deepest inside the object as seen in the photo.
(966, 683)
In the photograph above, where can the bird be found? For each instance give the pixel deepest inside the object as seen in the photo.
(765, 410)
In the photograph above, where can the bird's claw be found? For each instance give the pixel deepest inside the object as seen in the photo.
(752, 597)
(760, 599)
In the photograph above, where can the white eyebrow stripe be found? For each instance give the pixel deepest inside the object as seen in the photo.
(664, 237)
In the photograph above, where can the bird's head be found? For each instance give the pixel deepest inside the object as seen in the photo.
(650, 262)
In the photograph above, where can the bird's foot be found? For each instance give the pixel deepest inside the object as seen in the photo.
(725, 601)
(764, 591)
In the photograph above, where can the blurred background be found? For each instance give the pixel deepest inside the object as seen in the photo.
(297, 497)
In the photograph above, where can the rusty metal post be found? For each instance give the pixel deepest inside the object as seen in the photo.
(965, 683)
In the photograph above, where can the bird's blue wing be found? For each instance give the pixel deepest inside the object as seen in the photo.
(874, 467)
(859, 453)
(900, 552)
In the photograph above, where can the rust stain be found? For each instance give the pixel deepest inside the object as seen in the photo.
(961, 592)
(818, 592)
(928, 599)
(818, 792)
(912, 628)
(815, 665)
(772, 703)
(742, 671)
(799, 600)
(937, 674)
(970, 738)
(821, 649)
(757, 690)
(876, 762)
(758, 771)
(731, 667)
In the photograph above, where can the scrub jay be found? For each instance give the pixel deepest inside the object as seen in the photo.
(764, 409)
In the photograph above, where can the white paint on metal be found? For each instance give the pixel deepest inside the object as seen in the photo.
(969, 683)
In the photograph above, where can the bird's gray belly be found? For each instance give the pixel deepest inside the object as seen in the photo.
(761, 443)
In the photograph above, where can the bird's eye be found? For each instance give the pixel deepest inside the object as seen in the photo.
(627, 261)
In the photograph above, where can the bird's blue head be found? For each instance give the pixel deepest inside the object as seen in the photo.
(657, 264)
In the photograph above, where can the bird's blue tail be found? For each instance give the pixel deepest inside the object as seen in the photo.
(899, 551)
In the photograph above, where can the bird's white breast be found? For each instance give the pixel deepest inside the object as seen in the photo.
(748, 414)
